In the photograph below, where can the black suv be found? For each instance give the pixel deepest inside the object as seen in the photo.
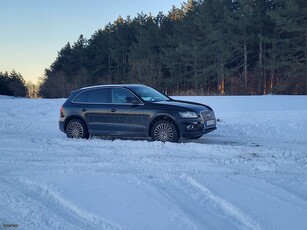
(133, 111)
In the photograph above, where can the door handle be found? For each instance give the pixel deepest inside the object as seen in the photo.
(83, 110)
(113, 110)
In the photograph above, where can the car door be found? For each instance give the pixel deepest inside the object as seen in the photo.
(95, 110)
(126, 114)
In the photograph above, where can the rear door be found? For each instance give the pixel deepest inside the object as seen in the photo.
(94, 105)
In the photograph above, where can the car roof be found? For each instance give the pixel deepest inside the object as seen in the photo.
(111, 85)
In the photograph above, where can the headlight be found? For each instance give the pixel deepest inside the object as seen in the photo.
(188, 115)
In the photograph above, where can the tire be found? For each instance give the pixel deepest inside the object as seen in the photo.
(164, 131)
(76, 128)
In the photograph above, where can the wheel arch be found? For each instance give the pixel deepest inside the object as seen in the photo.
(160, 117)
(68, 119)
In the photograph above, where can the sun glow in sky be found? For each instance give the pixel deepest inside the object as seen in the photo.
(33, 31)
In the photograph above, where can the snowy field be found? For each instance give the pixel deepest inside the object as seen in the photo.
(251, 173)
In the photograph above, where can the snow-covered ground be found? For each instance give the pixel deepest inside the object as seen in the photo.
(251, 173)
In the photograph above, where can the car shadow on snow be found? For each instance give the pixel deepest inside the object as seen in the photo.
(221, 140)
(206, 140)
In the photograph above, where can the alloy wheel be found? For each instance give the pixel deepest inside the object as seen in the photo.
(163, 132)
(75, 130)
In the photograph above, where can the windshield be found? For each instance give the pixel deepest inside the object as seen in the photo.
(149, 94)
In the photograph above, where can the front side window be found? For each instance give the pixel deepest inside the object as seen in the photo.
(149, 94)
(122, 96)
(95, 96)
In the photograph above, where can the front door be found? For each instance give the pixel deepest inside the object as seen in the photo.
(126, 114)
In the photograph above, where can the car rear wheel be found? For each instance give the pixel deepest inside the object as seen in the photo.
(165, 131)
(76, 128)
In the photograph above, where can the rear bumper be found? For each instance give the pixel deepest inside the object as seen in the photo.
(61, 126)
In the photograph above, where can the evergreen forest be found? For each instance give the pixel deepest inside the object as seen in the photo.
(12, 84)
(205, 47)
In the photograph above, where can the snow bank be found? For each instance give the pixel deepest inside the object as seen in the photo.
(270, 117)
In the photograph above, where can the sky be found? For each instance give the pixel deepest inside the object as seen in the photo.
(33, 31)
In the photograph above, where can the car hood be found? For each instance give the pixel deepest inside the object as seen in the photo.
(182, 105)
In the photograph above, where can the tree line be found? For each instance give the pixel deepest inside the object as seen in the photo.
(220, 47)
(12, 84)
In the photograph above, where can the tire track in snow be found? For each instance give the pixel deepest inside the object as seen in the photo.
(115, 160)
(180, 201)
(29, 213)
(166, 196)
(8, 216)
(62, 208)
(274, 192)
(222, 205)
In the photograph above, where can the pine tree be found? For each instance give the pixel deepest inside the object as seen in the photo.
(291, 25)
(4, 88)
(16, 84)
(144, 58)
(219, 46)
(98, 57)
(122, 35)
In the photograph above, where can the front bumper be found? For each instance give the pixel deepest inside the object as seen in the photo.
(190, 128)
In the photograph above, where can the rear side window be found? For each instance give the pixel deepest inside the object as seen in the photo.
(98, 96)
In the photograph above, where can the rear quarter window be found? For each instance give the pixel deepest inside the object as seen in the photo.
(82, 97)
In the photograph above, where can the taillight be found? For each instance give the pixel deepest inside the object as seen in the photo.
(61, 111)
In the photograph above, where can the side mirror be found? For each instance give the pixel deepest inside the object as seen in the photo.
(132, 100)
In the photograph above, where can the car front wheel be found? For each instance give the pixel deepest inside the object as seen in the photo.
(164, 131)
(76, 128)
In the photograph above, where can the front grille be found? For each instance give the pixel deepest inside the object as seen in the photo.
(207, 115)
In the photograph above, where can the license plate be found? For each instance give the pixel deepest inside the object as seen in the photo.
(210, 122)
